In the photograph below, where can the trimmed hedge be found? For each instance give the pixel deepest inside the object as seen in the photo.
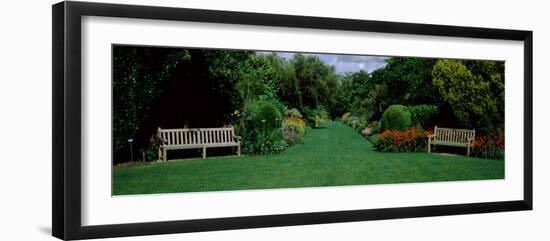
(396, 117)
(421, 114)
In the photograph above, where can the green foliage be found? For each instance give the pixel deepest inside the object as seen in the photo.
(139, 75)
(421, 114)
(260, 127)
(268, 142)
(473, 89)
(312, 84)
(402, 80)
(352, 93)
(293, 112)
(257, 78)
(360, 124)
(317, 117)
(396, 117)
(250, 91)
(376, 127)
(149, 154)
(265, 115)
(345, 117)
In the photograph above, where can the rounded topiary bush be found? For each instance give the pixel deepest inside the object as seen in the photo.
(396, 117)
(266, 115)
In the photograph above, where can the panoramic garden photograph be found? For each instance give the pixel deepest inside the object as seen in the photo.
(196, 120)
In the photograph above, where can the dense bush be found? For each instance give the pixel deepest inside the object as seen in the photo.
(265, 115)
(396, 117)
(490, 146)
(421, 114)
(294, 130)
(411, 139)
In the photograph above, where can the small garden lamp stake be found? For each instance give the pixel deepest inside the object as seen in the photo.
(131, 152)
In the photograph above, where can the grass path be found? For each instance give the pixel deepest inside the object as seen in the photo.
(331, 156)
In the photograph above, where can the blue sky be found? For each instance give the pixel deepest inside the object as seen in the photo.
(344, 63)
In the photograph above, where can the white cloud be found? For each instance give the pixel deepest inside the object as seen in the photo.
(344, 63)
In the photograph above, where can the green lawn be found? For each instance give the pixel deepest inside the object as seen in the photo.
(331, 156)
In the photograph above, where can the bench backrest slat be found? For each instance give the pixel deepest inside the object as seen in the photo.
(453, 135)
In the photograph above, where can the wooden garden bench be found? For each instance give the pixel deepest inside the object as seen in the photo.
(174, 139)
(452, 137)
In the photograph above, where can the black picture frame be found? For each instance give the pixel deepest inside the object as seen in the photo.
(66, 75)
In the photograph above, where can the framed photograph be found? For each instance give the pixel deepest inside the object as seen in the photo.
(171, 120)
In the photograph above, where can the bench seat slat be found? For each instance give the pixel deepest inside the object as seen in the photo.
(173, 147)
(446, 143)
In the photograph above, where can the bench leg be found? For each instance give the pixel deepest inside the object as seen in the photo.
(429, 146)
(204, 153)
(468, 152)
(160, 154)
(238, 150)
(164, 154)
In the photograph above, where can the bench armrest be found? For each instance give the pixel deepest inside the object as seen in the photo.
(237, 137)
(161, 140)
(432, 135)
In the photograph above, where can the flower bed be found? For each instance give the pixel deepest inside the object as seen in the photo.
(489, 146)
(294, 129)
(411, 139)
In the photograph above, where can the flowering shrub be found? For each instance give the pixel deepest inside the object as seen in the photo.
(260, 127)
(294, 124)
(267, 142)
(411, 139)
(489, 146)
(294, 129)
(293, 112)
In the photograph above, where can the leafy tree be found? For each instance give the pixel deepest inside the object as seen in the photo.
(473, 89)
(139, 75)
(256, 79)
(408, 80)
(315, 81)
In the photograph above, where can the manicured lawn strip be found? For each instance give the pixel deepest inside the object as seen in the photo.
(331, 156)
